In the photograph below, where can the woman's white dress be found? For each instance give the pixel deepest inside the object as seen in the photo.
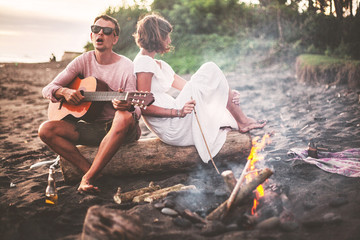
(209, 87)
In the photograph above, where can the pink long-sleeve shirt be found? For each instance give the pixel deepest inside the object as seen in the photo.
(117, 75)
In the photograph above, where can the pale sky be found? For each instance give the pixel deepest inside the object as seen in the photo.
(30, 30)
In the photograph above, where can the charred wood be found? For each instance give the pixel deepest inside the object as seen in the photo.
(222, 211)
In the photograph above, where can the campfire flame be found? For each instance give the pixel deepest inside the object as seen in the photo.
(254, 157)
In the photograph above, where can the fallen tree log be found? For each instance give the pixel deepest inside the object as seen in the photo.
(149, 156)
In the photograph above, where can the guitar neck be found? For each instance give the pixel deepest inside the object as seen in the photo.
(104, 96)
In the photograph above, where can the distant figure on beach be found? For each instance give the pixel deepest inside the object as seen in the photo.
(52, 58)
(172, 119)
(117, 123)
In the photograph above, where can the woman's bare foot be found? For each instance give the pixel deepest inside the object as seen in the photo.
(86, 187)
(252, 124)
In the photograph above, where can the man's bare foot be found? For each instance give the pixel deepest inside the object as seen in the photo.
(86, 187)
(252, 125)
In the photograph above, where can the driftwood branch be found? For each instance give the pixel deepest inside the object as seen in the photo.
(221, 212)
(151, 156)
(129, 196)
(161, 193)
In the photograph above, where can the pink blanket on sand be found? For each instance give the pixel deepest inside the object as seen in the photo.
(346, 163)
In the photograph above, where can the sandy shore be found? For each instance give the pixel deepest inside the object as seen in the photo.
(296, 113)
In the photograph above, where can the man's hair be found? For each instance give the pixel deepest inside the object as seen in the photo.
(151, 33)
(111, 19)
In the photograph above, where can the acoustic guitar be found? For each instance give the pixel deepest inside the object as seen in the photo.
(95, 93)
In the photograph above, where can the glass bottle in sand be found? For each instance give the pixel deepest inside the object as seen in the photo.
(51, 192)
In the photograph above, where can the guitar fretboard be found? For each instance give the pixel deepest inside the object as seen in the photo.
(104, 96)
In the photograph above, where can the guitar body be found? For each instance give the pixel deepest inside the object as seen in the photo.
(86, 110)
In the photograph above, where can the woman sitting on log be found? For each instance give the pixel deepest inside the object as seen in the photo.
(172, 119)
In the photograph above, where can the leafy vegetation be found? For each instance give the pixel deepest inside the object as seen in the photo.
(225, 31)
(321, 60)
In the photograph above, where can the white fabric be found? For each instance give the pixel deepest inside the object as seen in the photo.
(209, 87)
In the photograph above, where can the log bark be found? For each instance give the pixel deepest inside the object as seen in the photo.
(150, 156)
(221, 212)
(105, 223)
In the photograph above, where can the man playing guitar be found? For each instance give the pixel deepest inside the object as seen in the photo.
(114, 125)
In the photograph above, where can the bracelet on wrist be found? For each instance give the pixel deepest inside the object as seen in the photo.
(178, 113)
(131, 109)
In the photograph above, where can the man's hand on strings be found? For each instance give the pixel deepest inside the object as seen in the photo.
(121, 105)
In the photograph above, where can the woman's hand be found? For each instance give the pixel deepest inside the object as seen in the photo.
(188, 108)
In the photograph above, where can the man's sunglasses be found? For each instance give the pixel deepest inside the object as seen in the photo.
(106, 30)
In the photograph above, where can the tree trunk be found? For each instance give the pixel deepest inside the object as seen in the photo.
(351, 8)
(149, 156)
(278, 18)
(311, 7)
(331, 7)
(338, 8)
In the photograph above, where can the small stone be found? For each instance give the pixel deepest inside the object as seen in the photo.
(159, 205)
(169, 211)
(332, 218)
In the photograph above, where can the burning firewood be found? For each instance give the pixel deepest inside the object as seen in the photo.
(221, 212)
(128, 196)
(229, 179)
(161, 193)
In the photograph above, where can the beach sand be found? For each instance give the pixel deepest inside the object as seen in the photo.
(324, 205)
